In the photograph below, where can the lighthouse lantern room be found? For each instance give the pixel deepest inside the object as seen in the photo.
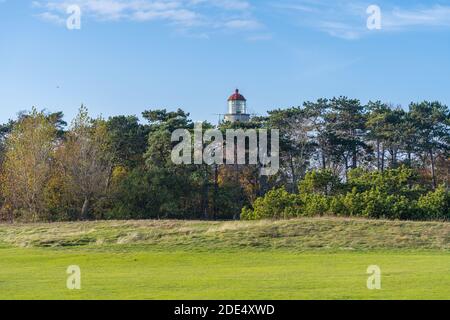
(237, 108)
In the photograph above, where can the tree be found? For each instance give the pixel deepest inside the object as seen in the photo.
(296, 144)
(431, 120)
(177, 192)
(346, 120)
(375, 124)
(127, 140)
(27, 166)
(316, 112)
(339, 132)
(86, 160)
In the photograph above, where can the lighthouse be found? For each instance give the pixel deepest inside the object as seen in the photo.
(237, 108)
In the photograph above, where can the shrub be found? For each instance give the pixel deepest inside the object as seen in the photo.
(436, 204)
(276, 204)
(381, 195)
(350, 204)
(315, 204)
(399, 181)
(324, 182)
(373, 203)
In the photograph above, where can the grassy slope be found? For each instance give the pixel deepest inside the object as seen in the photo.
(303, 234)
(322, 258)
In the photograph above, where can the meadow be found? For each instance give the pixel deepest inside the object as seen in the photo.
(320, 258)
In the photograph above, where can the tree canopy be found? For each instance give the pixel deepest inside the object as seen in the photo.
(337, 156)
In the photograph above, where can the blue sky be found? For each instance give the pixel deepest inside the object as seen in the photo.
(134, 55)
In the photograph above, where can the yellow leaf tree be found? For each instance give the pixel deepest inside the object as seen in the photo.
(27, 166)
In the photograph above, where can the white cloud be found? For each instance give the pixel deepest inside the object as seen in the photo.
(224, 4)
(51, 17)
(242, 24)
(347, 19)
(344, 19)
(340, 30)
(436, 16)
(213, 15)
(260, 37)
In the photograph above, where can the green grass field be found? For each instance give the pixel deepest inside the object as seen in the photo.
(322, 258)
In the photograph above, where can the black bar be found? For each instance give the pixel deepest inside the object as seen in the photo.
(227, 310)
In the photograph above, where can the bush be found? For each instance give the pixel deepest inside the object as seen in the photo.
(322, 182)
(380, 195)
(350, 204)
(435, 205)
(276, 204)
(315, 204)
(374, 203)
(401, 181)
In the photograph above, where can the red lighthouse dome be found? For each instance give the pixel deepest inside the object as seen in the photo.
(237, 96)
(237, 108)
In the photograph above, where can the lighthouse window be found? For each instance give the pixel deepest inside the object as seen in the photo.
(240, 107)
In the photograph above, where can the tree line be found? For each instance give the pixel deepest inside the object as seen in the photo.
(337, 156)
